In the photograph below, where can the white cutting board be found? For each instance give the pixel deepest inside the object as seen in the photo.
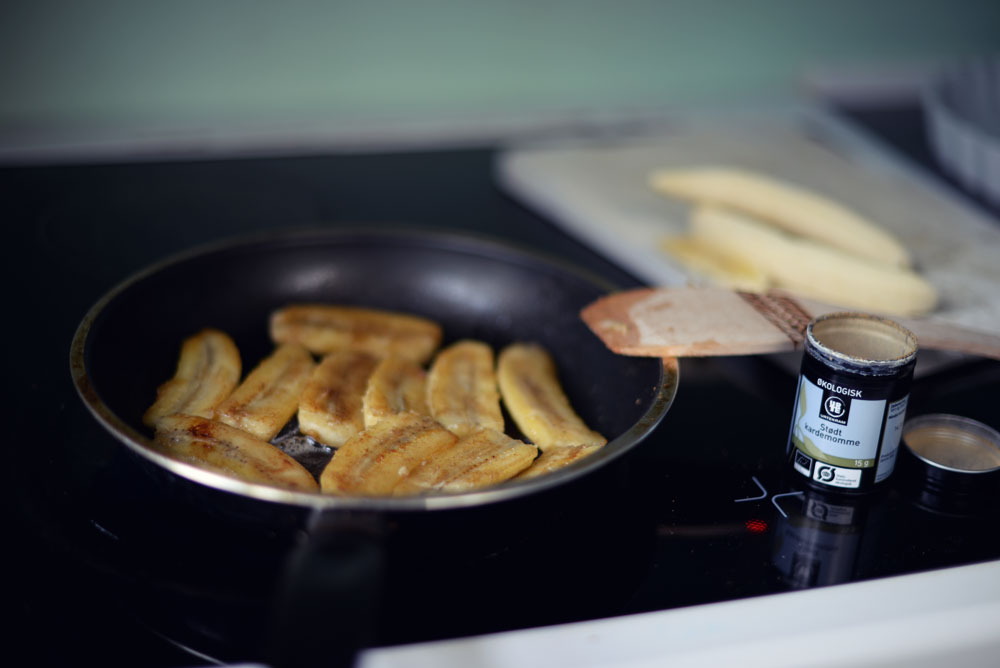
(597, 191)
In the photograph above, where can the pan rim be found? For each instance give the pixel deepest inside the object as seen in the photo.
(450, 240)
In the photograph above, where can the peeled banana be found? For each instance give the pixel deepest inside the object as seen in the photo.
(396, 386)
(462, 388)
(330, 408)
(326, 328)
(483, 458)
(377, 459)
(208, 370)
(535, 400)
(229, 451)
(813, 270)
(720, 268)
(787, 206)
(556, 458)
(269, 396)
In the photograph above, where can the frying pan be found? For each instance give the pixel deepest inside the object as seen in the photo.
(128, 343)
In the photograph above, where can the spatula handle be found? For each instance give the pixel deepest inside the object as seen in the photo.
(702, 322)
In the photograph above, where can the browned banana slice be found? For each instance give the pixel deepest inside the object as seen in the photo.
(556, 458)
(326, 328)
(374, 461)
(535, 400)
(481, 459)
(231, 452)
(330, 408)
(462, 388)
(207, 371)
(268, 397)
(396, 386)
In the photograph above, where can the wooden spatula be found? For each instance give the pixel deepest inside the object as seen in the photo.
(701, 322)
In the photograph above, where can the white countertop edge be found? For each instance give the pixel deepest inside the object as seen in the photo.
(944, 617)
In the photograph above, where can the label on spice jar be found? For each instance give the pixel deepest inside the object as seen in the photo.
(846, 427)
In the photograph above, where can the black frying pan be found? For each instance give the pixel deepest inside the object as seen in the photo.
(129, 341)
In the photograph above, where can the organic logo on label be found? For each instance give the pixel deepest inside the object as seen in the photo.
(824, 474)
(834, 407)
(837, 476)
(802, 463)
(802, 460)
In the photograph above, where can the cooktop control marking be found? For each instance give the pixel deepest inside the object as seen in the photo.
(763, 492)
(774, 500)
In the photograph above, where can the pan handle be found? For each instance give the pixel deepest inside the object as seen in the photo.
(328, 599)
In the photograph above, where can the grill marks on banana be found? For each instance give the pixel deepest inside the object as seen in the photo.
(396, 386)
(208, 369)
(326, 328)
(462, 388)
(527, 378)
(330, 409)
(540, 399)
(483, 458)
(466, 383)
(400, 429)
(556, 458)
(229, 451)
(375, 460)
(203, 369)
(269, 396)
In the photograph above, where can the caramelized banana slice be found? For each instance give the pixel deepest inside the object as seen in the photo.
(207, 371)
(481, 459)
(535, 400)
(396, 386)
(324, 328)
(268, 397)
(232, 452)
(556, 458)
(462, 388)
(375, 460)
(330, 408)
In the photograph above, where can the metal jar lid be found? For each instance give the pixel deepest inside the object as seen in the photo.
(958, 458)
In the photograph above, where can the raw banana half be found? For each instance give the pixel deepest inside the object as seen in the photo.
(790, 207)
(812, 269)
(721, 268)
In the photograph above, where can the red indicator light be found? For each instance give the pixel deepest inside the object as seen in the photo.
(756, 526)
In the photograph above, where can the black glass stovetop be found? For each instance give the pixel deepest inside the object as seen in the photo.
(704, 510)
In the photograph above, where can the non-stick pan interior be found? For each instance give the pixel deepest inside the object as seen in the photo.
(474, 288)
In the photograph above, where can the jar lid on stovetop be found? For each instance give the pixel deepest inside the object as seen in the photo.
(956, 459)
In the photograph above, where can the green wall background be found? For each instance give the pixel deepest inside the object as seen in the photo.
(204, 62)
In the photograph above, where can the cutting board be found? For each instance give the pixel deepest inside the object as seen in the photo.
(596, 190)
